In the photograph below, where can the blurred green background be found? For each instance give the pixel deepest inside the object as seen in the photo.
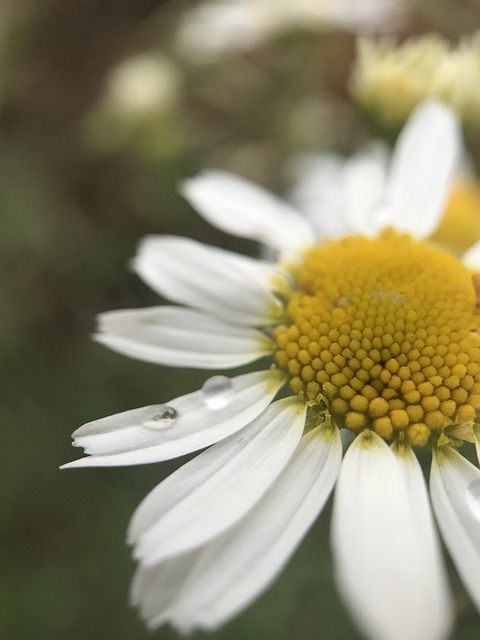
(82, 179)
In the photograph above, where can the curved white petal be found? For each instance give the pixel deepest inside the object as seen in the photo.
(471, 257)
(180, 337)
(242, 563)
(436, 600)
(422, 167)
(217, 488)
(318, 191)
(455, 491)
(154, 589)
(380, 538)
(127, 438)
(244, 209)
(208, 278)
(364, 177)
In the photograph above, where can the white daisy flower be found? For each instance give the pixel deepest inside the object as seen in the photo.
(376, 335)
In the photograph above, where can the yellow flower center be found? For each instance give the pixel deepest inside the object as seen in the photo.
(460, 225)
(384, 334)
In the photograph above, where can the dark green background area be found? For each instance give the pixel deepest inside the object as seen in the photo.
(66, 568)
(70, 219)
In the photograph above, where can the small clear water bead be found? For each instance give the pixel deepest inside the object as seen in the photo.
(164, 416)
(342, 301)
(473, 497)
(217, 392)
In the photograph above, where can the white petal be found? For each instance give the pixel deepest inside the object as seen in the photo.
(364, 177)
(123, 439)
(455, 490)
(379, 545)
(154, 589)
(436, 601)
(319, 191)
(242, 563)
(422, 167)
(208, 278)
(217, 488)
(180, 337)
(242, 208)
(471, 257)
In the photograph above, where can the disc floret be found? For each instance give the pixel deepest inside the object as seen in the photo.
(384, 334)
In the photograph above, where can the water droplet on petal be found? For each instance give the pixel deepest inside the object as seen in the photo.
(217, 392)
(160, 417)
(472, 495)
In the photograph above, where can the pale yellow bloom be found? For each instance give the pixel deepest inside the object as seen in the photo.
(140, 86)
(389, 80)
(137, 106)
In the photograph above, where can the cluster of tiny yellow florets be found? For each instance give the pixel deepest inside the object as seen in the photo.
(384, 333)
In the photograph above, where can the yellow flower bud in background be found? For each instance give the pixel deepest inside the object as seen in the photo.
(390, 79)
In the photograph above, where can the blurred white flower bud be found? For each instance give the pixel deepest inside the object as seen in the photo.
(389, 80)
(141, 86)
(221, 26)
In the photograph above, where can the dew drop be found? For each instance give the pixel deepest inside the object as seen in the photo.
(217, 392)
(164, 416)
(472, 495)
(342, 301)
(394, 297)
